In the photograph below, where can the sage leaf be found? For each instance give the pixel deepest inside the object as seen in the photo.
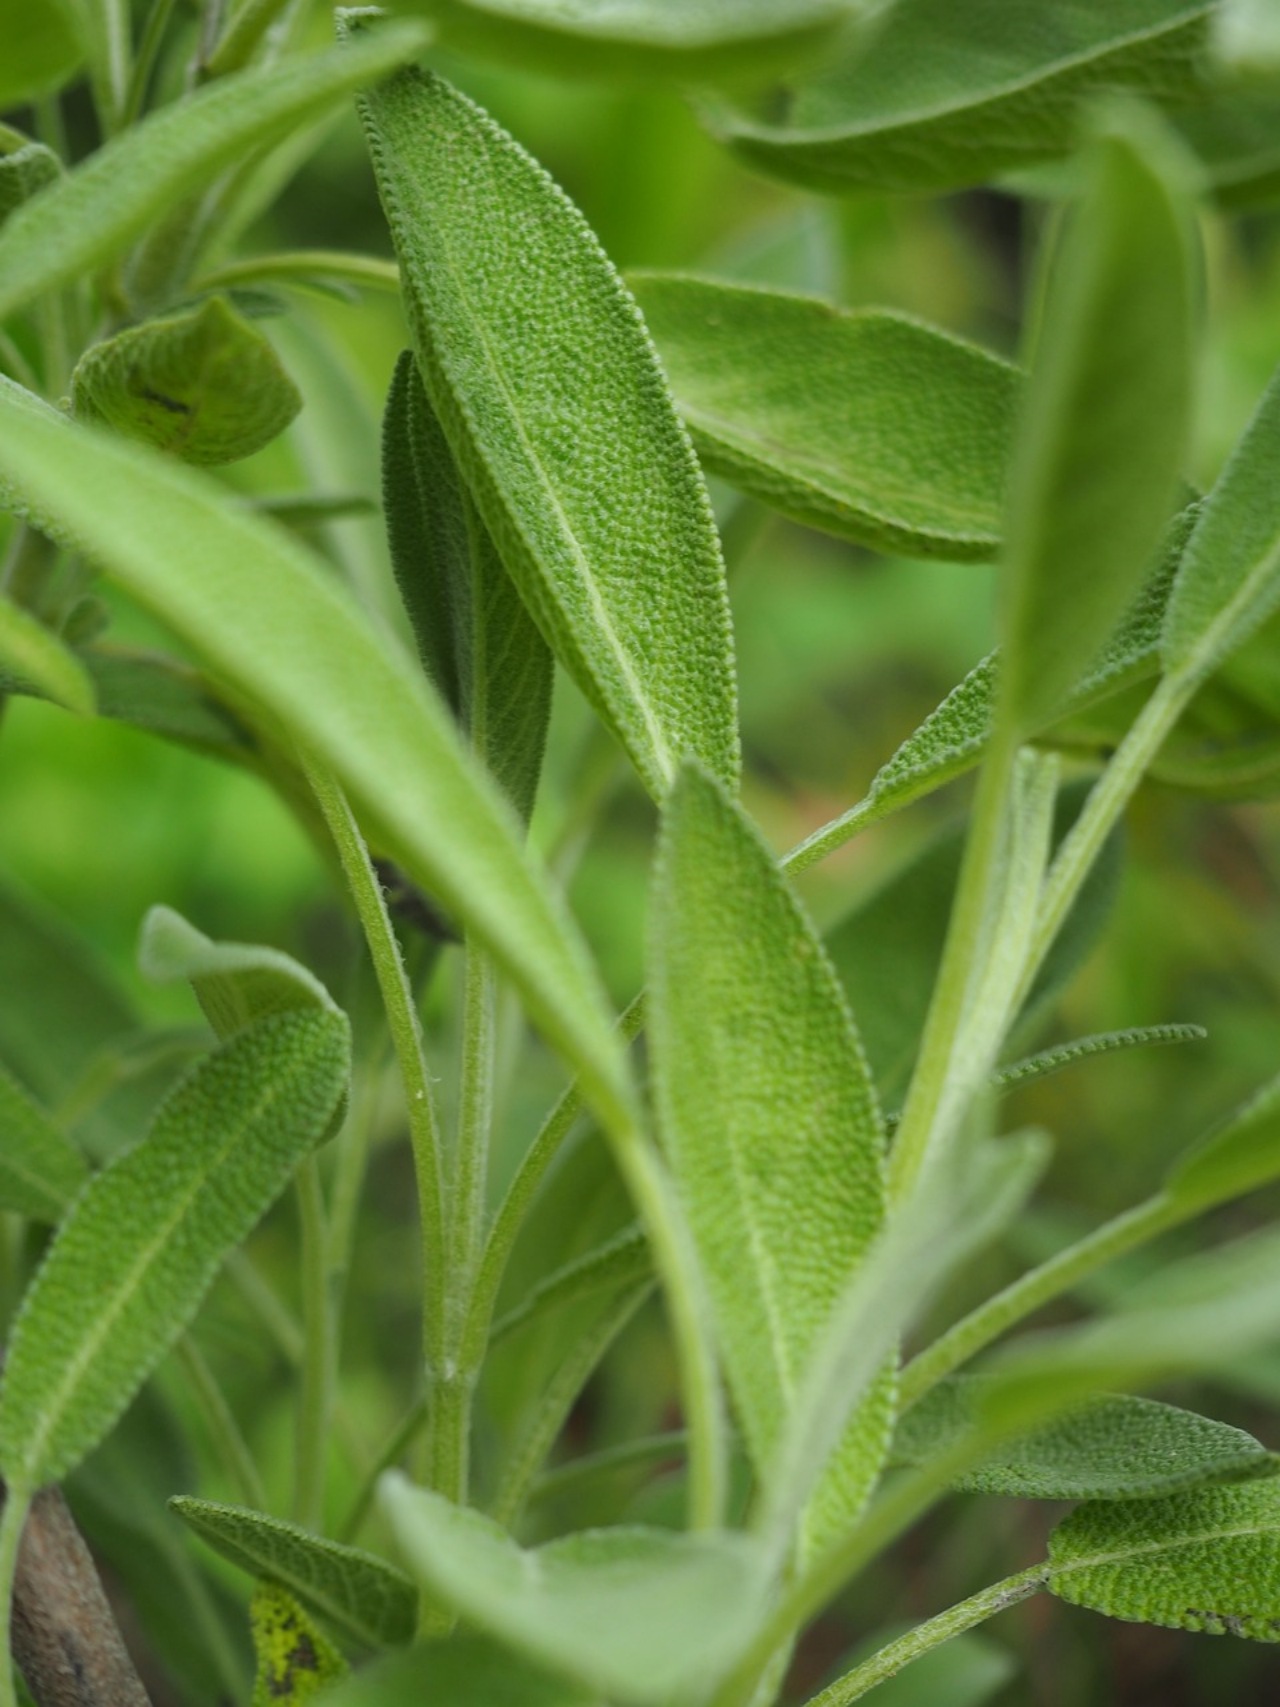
(230, 585)
(1208, 1560)
(34, 660)
(204, 384)
(1105, 423)
(768, 1117)
(552, 401)
(295, 1659)
(619, 1263)
(643, 1615)
(941, 96)
(23, 171)
(97, 210)
(357, 1593)
(1242, 1154)
(1114, 1447)
(866, 424)
(131, 1262)
(166, 697)
(468, 1671)
(40, 1170)
(235, 983)
(1046, 1062)
(476, 639)
(42, 50)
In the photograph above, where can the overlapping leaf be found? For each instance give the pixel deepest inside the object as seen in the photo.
(296, 1660)
(235, 983)
(40, 1171)
(34, 660)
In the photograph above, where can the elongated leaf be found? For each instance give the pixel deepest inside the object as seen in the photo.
(1049, 1061)
(23, 171)
(358, 1593)
(167, 697)
(1208, 1560)
(1111, 1448)
(35, 660)
(469, 1671)
(553, 404)
(132, 1261)
(768, 1116)
(1241, 1155)
(945, 95)
(40, 1171)
(476, 639)
(1105, 424)
(231, 586)
(236, 983)
(98, 209)
(640, 1614)
(620, 1262)
(295, 1659)
(41, 50)
(867, 425)
(204, 384)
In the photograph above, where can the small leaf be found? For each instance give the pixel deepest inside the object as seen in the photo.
(1049, 1061)
(204, 384)
(132, 1261)
(41, 50)
(235, 983)
(1110, 1448)
(40, 1171)
(359, 1594)
(467, 1671)
(640, 1614)
(24, 171)
(867, 425)
(34, 660)
(295, 1660)
(576, 459)
(1207, 1561)
(1239, 1156)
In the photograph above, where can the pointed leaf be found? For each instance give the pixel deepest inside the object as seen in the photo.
(865, 424)
(34, 660)
(552, 402)
(468, 1671)
(1241, 1155)
(40, 1170)
(167, 697)
(1046, 1062)
(359, 1594)
(295, 1659)
(129, 1266)
(236, 983)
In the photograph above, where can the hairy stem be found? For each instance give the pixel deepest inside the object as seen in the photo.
(224, 1432)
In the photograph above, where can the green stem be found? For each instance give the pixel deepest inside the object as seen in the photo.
(300, 267)
(244, 30)
(17, 1502)
(953, 1622)
(627, 1455)
(316, 1388)
(153, 33)
(224, 1431)
(399, 1441)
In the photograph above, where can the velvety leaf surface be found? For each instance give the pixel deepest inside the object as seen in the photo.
(40, 1170)
(133, 1259)
(768, 1117)
(41, 50)
(23, 171)
(552, 401)
(863, 424)
(358, 1593)
(295, 1659)
(468, 1671)
(236, 983)
(34, 660)
(205, 385)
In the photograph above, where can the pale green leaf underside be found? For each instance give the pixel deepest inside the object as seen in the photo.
(468, 1671)
(36, 661)
(265, 615)
(552, 401)
(96, 211)
(644, 1615)
(134, 1257)
(40, 1170)
(865, 424)
(360, 1594)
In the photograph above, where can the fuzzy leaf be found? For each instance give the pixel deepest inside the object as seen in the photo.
(40, 1171)
(24, 171)
(132, 1261)
(643, 1615)
(41, 50)
(1239, 1156)
(1208, 1560)
(295, 1659)
(34, 660)
(94, 212)
(359, 1594)
(476, 639)
(204, 384)
(768, 1117)
(553, 403)
(943, 95)
(864, 424)
(233, 587)
(467, 1671)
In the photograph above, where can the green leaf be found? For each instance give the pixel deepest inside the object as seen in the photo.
(230, 585)
(204, 384)
(1206, 1561)
(1247, 35)
(40, 1171)
(166, 697)
(24, 171)
(295, 1659)
(131, 1262)
(769, 1119)
(1049, 1061)
(465, 1672)
(620, 1262)
(640, 1614)
(576, 460)
(1236, 140)
(35, 660)
(97, 210)
(1239, 1156)
(943, 95)
(359, 1594)
(866, 424)
(41, 50)
(1110, 1448)
(476, 639)
(1104, 429)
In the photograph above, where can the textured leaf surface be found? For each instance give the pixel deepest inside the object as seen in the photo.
(35, 660)
(295, 1659)
(41, 50)
(1112, 1448)
(132, 1261)
(768, 1116)
(360, 1594)
(945, 95)
(204, 384)
(475, 636)
(641, 1614)
(468, 1671)
(40, 1170)
(97, 210)
(235, 983)
(867, 425)
(24, 171)
(265, 615)
(552, 401)
(1206, 1561)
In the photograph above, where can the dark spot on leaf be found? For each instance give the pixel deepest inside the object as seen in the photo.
(172, 404)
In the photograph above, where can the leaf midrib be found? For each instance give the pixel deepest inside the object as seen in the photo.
(1147, 1549)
